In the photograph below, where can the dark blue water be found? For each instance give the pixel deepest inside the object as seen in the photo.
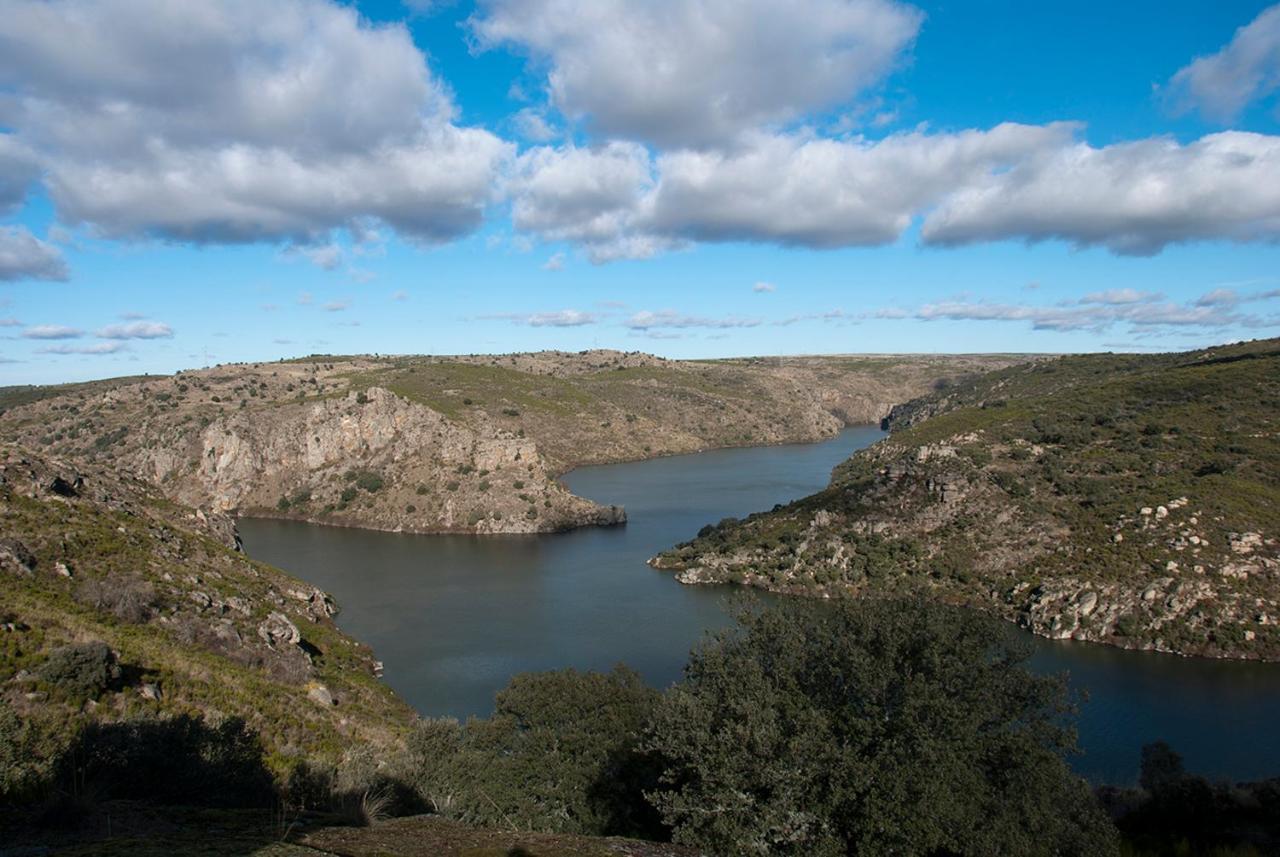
(454, 617)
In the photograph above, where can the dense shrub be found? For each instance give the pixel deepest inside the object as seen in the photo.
(177, 761)
(871, 728)
(82, 670)
(559, 753)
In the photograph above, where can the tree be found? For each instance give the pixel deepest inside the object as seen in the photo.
(558, 754)
(871, 727)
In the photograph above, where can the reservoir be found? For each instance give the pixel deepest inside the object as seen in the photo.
(454, 617)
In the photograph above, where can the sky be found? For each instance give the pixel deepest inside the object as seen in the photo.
(190, 183)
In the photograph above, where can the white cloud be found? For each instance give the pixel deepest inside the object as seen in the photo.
(594, 197)
(559, 318)
(400, 295)
(1133, 198)
(762, 287)
(327, 257)
(647, 320)
(136, 330)
(52, 331)
(699, 73)
(96, 348)
(23, 256)
(1246, 69)
(1120, 296)
(236, 121)
(555, 263)
(1083, 315)
(336, 306)
(18, 171)
(1219, 297)
(10, 322)
(533, 125)
(791, 189)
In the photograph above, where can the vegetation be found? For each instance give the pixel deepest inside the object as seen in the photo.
(1133, 500)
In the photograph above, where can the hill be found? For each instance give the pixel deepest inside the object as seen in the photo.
(459, 444)
(1130, 500)
(117, 605)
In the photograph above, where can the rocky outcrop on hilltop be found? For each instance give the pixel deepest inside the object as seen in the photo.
(1134, 502)
(464, 444)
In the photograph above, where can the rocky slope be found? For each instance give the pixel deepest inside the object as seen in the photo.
(464, 444)
(117, 604)
(1127, 500)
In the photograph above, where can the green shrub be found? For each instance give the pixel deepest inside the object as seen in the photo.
(82, 670)
(348, 494)
(369, 481)
(559, 754)
(871, 727)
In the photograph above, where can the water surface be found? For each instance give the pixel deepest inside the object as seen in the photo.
(454, 617)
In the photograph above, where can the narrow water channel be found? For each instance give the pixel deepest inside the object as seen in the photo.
(454, 617)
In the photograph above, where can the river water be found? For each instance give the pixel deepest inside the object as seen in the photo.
(454, 617)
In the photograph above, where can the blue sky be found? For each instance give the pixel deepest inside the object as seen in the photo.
(185, 185)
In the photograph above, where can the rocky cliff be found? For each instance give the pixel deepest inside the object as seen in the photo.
(466, 444)
(1128, 500)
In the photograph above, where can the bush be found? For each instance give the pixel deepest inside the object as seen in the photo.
(369, 481)
(871, 727)
(83, 670)
(559, 754)
(176, 761)
(130, 600)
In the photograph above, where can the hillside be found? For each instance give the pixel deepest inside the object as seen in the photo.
(1130, 500)
(116, 605)
(462, 444)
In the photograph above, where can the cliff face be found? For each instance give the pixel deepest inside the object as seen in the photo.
(95, 562)
(467, 444)
(1130, 501)
(369, 459)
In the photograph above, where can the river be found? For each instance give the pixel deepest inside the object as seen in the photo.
(454, 617)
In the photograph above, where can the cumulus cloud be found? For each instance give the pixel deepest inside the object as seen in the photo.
(52, 331)
(10, 322)
(791, 189)
(23, 256)
(555, 263)
(647, 320)
(596, 197)
(18, 171)
(763, 287)
(136, 330)
(700, 73)
(336, 306)
(1133, 198)
(1246, 69)
(236, 121)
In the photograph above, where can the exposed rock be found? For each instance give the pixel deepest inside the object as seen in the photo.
(277, 630)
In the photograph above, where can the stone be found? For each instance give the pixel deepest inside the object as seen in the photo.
(150, 691)
(1149, 594)
(1087, 602)
(321, 695)
(1162, 512)
(61, 569)
(276, 629)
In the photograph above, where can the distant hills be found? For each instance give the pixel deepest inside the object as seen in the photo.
(449, 444)
(1129, 500)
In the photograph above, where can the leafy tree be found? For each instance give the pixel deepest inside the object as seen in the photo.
(871, 727)
(558, 754)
